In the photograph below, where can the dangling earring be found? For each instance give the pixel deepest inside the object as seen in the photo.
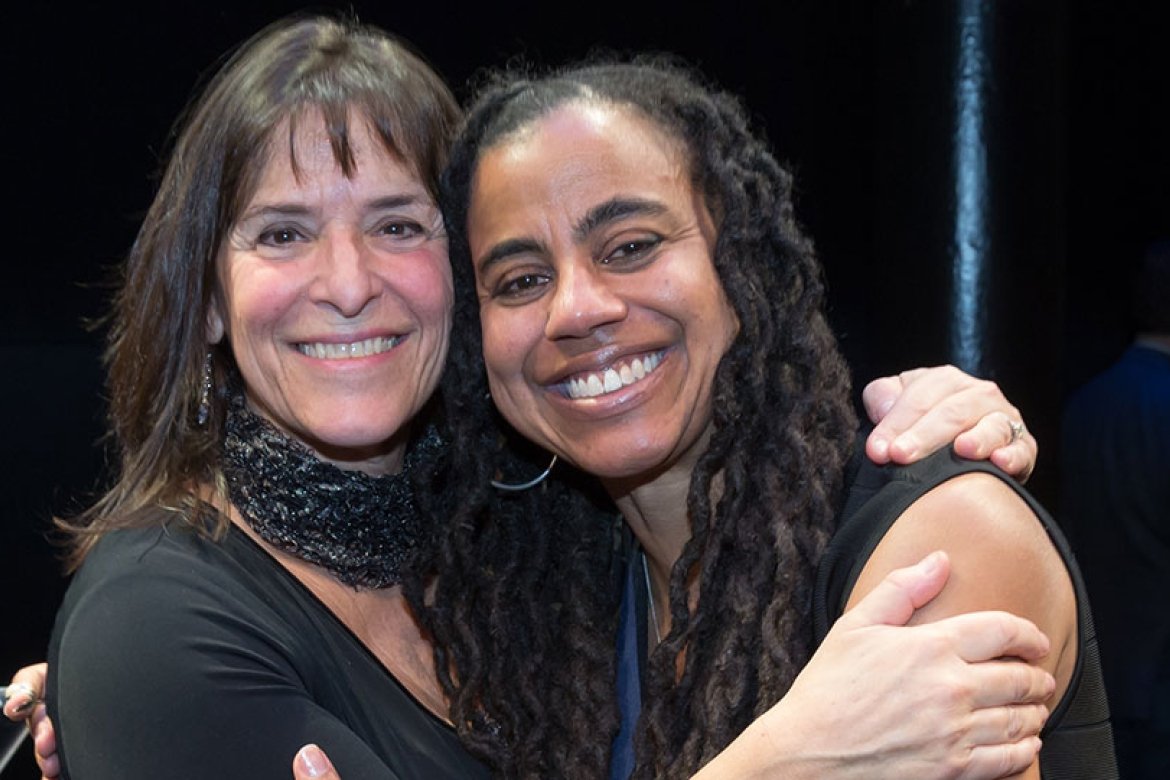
(204, 412)
(530, 483)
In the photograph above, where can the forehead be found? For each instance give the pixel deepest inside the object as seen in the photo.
(558, 167)
(303, 153)
(580, 152)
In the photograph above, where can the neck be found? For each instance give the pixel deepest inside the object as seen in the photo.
(655, 508)
(656, 513)
(377, 459)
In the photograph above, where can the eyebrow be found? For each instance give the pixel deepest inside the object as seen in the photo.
(398, 201)
(506, 249)
(299, 210)
(610, 211)
(613, 210)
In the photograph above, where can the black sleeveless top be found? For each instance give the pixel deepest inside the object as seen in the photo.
(1078, 740)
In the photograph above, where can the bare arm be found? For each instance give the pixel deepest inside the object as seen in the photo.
(1002, 559)
(880, 700)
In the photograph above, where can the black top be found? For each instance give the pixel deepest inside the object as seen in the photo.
(1078, 742)
(174, 656)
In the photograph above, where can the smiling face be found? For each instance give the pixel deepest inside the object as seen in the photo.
(603, 318)
(335, 294)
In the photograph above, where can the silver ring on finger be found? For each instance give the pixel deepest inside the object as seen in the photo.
(17, 689)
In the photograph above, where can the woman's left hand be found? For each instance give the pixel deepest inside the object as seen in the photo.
(920, 411)
(23, 700)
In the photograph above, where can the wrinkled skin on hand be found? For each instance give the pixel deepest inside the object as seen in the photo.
(919, 411)
(18, 706)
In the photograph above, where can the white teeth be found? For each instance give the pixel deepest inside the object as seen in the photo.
(354, 349)
(613, 378)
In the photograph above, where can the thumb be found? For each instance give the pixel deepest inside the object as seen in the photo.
(900, 593)
(311, 763)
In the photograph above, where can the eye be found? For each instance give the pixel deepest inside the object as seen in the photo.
(280, 236)
(520, 286)
(632, 250)
(404, 229)
(398, 233)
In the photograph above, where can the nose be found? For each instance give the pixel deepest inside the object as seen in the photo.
(346, 276)
(583, 301)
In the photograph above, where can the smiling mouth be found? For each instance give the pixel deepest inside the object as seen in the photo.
(614, 378)
(352, 350)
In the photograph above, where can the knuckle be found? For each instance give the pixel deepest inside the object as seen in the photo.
(1023, 682)
(1013, 728)
(990, 389)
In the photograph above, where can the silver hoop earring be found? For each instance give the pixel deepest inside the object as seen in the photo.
(204, 412)
(530, 483)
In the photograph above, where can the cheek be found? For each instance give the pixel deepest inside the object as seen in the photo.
(505, 349)
(728, 325)
(503, 346)
(425, 289)
(428, 288)
(255, 298)
(513, 401)
(719, 323)
(501, 366)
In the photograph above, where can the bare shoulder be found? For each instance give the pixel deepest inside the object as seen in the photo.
(1002, 559)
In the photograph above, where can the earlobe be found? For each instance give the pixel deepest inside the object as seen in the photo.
(214, 325)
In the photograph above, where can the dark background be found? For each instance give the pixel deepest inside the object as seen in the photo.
(856, 96)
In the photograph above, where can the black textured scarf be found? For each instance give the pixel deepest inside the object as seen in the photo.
(363, 529)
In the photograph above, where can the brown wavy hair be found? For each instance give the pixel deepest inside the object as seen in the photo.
(526, 599)
(157, 346)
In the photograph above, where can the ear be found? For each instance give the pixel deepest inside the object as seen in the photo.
(214, 326)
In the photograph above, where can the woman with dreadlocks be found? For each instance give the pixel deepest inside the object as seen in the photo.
(651, 316)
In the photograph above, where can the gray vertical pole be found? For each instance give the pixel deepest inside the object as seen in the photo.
(972, 244)
(967, 261)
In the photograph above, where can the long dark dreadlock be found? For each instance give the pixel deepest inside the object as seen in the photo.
(528, 592)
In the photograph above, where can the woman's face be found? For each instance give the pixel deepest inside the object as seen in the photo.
(603, 318)
(335, 295)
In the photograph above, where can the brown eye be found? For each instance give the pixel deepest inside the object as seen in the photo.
(398, 234)
(520, 285)
(403, 229)
(629, 251)
(280, 236)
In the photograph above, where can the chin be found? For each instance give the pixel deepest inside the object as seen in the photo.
(625, 462)
(358, 435)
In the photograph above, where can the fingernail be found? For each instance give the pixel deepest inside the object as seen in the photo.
(881, 447)
(907, 447)
(24, 706)
(313, 761)
(931, 562)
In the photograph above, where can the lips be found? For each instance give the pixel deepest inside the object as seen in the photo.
(619, 374)
(349, 351)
